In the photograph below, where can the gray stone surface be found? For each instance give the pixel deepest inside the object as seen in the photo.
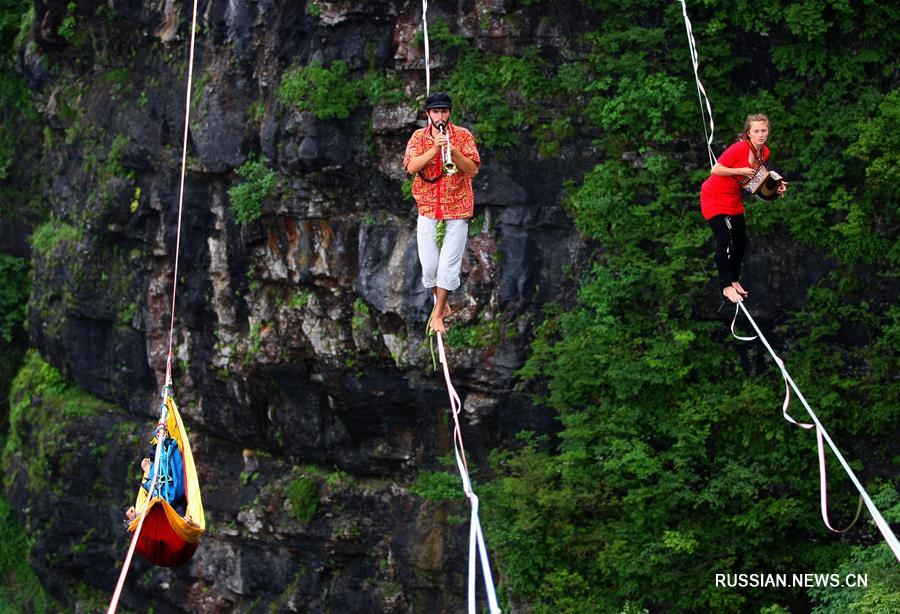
(299, 349)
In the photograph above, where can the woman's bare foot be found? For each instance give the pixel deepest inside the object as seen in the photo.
(740, 289)
(731, 294)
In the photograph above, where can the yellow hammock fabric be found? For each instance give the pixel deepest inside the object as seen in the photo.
(166, 538)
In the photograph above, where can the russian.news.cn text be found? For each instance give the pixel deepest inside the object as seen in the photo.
(791, 580)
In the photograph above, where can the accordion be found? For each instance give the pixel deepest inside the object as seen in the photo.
(763, 184)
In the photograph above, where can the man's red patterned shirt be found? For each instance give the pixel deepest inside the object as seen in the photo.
(451, 196)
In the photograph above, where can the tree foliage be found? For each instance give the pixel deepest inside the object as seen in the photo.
(674, 463)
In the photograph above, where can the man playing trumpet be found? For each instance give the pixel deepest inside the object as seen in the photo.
(443, 158)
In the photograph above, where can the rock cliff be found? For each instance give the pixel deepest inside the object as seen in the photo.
(301, 366)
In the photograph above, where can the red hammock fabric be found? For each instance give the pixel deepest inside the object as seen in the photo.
(159, 543)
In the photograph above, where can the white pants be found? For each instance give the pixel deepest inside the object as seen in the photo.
(440, 267)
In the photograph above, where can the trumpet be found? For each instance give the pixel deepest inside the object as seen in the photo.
(447, 164)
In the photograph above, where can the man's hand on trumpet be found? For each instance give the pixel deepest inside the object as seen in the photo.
(442, 140)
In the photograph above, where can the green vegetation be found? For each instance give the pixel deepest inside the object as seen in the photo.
(507, 96)
(360, 314)
(673, 463)
(476, 225)
(247, 197)
(136, 201)
(120, 80)
(438, 486)
(301, 299)
(254, 343)
(13, 299)
(501, 94)
(406, 188)
(441, 38)
(303, 494)
(52, 233)
(331, 93)
(198, 87)
(69, 26)
(876, 564)
(18, 119)
(482, 334)
(20, 589)
(102, 164)
(338, 479)
(42, 404)
(256, 111)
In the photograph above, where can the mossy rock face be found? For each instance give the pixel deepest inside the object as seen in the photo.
(84, 310)
(43, 406)
(65, 461)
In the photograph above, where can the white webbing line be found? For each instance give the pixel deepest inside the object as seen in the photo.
(114, 602)
(427, 59)
(184, 147)
(160, 430)
(821, 434)
(476, 537)
(701, 92)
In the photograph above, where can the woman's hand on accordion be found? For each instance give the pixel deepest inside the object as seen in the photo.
(726, 171)
(782, 188)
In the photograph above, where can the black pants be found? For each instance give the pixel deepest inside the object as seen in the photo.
(728, 262)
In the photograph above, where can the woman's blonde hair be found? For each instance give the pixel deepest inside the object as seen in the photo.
(756, 117)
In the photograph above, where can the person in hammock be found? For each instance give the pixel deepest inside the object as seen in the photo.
(441, 197)
(720, 201)
(171, 485)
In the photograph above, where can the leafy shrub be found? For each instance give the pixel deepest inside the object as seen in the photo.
(331, 93)
(260, 183)
(437, 486)
(501, 95)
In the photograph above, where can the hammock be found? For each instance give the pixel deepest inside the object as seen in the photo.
(166, 538)
(160, 534)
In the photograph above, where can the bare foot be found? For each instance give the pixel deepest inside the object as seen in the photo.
(731, 294)
(437, 325)
(740, 289)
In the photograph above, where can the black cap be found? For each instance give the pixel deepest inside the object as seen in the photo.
(438, 100)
